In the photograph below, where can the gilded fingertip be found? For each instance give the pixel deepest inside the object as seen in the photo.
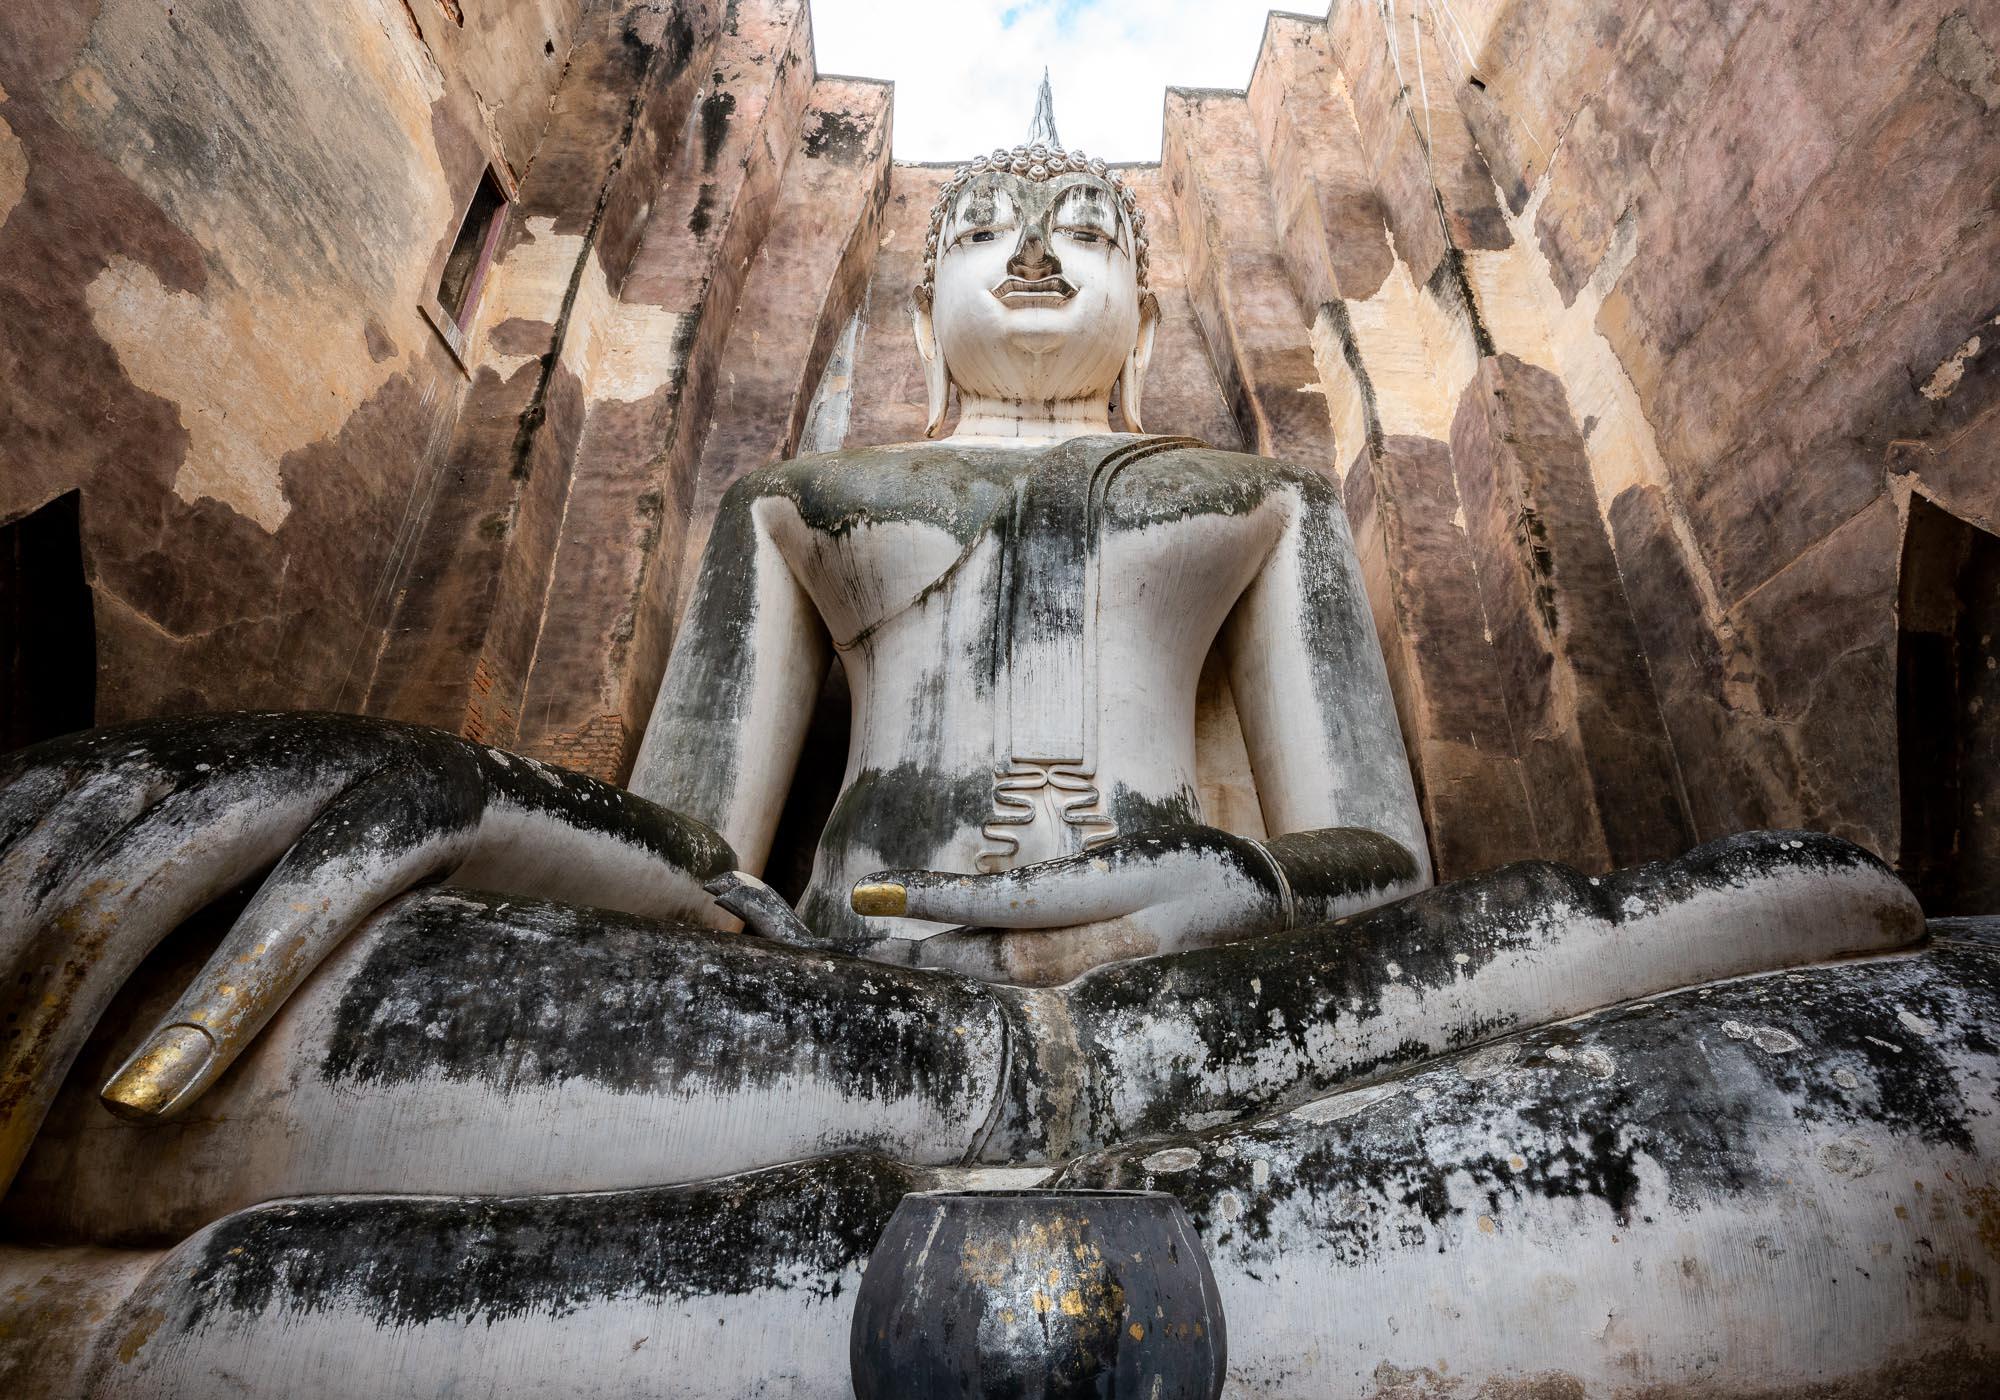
(883, 898)
(162, 1070)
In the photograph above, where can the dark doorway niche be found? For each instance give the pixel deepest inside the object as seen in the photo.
(1948, 712)
(48, 628)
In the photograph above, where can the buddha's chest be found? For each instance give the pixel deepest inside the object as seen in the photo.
(1005, 561)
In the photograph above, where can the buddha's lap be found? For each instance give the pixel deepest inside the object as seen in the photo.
(464, 1042)
(1775, 1129)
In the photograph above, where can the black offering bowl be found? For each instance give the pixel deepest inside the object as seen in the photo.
(1038, 1295)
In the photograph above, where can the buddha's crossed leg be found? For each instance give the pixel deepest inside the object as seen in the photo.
(471, 1044)
(1707, 1188)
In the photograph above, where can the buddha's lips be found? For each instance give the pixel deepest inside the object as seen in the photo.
(1043, 291)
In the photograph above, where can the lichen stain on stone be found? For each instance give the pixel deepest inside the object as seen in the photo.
(699, 218)
(836, 136)
(141, 1332)
(1966, 59)
(1424, 1383)
(13, 166)
(453, 989)
(1767, 1038)
(1172, 1159)
(716, 111)
(677, 43)
(1366, 1181)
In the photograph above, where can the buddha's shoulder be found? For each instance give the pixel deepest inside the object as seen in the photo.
(918, 477)
(1249, 465)
(823, 470)
(1194, 477)
(937, 482)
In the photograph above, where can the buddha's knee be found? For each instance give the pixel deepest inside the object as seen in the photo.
(466, 1042)
(693, 1291)
(1609, 1196)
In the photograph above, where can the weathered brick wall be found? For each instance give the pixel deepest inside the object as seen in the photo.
(570, 347)
(211, 262)
(1762, 243)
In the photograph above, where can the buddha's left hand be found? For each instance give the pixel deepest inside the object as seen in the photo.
(1160, 890)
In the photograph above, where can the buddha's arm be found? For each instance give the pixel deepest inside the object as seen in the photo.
(725, 733)
(110, 839)
(1312, 694)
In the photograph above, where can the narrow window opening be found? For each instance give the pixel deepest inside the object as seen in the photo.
(48, 627)
(1948, 712)
(465, 268)
(467, 264)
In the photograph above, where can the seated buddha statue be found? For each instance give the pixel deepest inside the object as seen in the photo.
(508, 1081)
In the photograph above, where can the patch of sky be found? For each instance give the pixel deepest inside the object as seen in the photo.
(966, 71)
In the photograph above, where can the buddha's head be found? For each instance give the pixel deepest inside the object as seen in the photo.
(1034, 284)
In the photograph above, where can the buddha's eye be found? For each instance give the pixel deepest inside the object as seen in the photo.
(1085, 235)
(980, 235)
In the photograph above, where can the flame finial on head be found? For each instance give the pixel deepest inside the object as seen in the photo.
(1042, 130)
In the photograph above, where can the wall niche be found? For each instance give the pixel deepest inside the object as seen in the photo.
(1948, 712)
(48, 627)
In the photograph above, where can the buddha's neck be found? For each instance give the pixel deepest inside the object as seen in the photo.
(1033, 420)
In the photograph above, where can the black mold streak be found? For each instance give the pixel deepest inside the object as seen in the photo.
(836, 136)
(716, 110)
(1350, 350)
(406, 1261)
(1681, 1094)
(1453, 291)
(525, 994)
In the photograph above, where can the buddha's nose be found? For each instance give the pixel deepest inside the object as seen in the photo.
(1032, 259)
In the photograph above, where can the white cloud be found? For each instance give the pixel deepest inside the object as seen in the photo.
(966, 70)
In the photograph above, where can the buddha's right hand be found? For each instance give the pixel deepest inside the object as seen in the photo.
(109, 839)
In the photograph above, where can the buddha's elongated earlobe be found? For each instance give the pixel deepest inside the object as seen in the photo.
(937, 378)
(1132, 379)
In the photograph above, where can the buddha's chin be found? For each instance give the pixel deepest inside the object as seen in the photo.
(1037, 342)
(1048, 320)
(1050, 336)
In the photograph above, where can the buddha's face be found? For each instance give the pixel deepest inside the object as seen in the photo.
(1037, 290)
